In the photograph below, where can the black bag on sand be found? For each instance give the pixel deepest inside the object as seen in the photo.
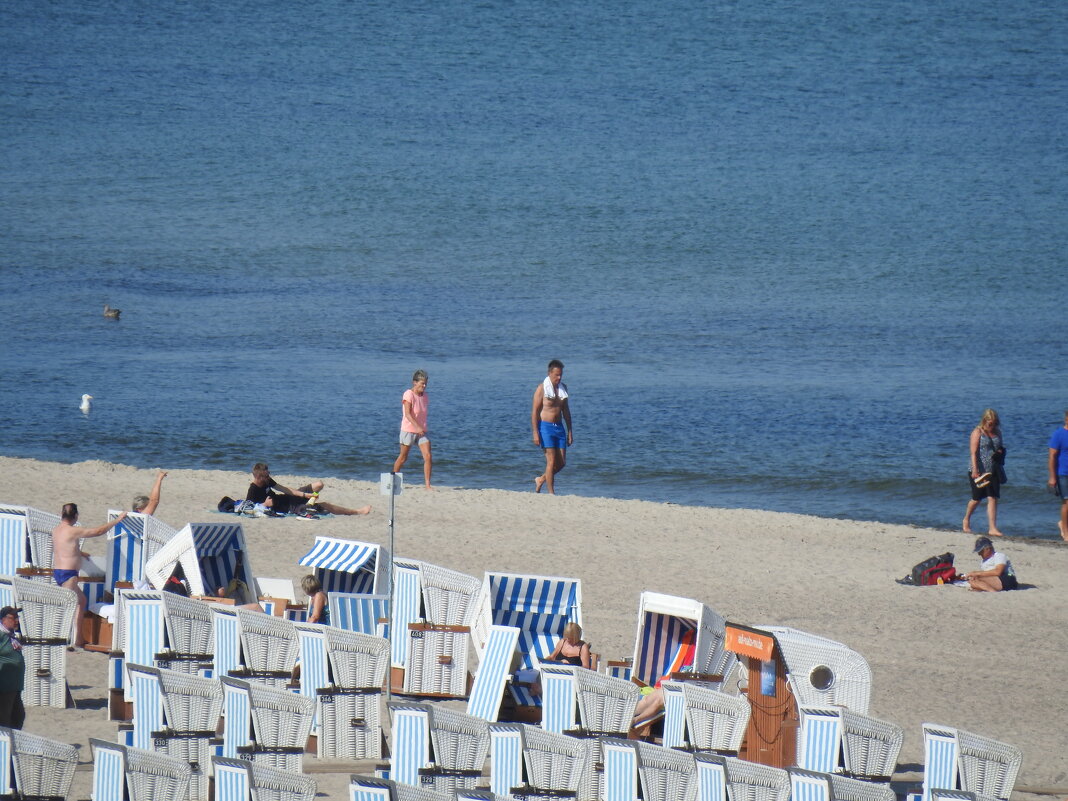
(227, 504)
(927, 572)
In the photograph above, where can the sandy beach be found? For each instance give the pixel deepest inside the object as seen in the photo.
(989, 663)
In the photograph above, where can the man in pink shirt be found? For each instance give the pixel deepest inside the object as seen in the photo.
(415, 403)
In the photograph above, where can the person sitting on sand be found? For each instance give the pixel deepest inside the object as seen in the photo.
(318, 602)
(147, 504)
(67, 558)
(995, 573)
(261, 491)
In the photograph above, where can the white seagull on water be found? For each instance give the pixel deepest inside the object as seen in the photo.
(87, 404)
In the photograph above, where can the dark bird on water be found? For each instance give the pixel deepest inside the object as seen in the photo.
(110, 313)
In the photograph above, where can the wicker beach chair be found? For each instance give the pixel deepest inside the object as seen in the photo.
(531, 762)
(806, 785)
(701, 719)
(487, 691)
(666, 774)
(348, 566)
(539, 606)
(265, 725)
(432, 614)
(189, 625)
(711, 777)
(666, 624)
(437, 748)
(47, 621)
(348, 709)
(819, 739)
(131, 544)
(211, 555)
(749, 781)
(241, 780)
(176, 714)
(823, 672)
(42, 768)
(269, 648)
(960, 760)
(366, 788)
(870, 746)
(121, 772)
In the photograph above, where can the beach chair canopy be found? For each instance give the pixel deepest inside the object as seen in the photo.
(538, 606)
(678, 634)
(211, 555)
(823, 672)
(347, 565)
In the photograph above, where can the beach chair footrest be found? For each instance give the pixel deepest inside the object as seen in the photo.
(526, 791)
(269, 749)
(437, 770)
(580, 732)
(327, 692)
(174, 656)
(174, 734)
(245, 673)
(45, 641)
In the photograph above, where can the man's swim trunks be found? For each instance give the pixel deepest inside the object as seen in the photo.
(61, 575)
(552, 435)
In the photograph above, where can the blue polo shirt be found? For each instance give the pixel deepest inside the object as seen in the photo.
(1059, 442)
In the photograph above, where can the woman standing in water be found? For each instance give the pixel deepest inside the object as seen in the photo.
(986, 474)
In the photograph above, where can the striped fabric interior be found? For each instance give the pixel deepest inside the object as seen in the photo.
(125, 548)
(232, 782)
(109, 771)
(217, 548)
(13, 541)
(148, 704)
(821, 740)
(940, 757)
(711, 778)
(806, 786)
(506, 758)
(620, 771)
(660, 641)
(409, 597)
(237, 712)
(411, 743)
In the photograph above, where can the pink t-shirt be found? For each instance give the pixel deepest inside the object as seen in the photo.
(419, 408)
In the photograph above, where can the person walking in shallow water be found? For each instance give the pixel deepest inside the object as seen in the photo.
(1058, 471)
(986, 473)
(550, 423)
(415, 404)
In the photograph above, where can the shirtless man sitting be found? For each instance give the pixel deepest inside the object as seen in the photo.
(553, 436)
(67, 558)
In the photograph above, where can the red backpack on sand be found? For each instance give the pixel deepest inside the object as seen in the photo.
(929, 571)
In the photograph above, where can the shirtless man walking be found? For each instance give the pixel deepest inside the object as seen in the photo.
(67, 558)
(550, 434)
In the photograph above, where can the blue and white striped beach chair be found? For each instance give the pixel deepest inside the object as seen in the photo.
(46, 622)
(227, 640)
(620, 778)
(665, 624)
(189, 626)
(701, 719)
(711, 777)
(121, 773)
(960, 760)
(529, 761)
(665, 774)
(437, 748)
(313, 662)
(211, 555)
(176, 714)
(366, 788)
(559, 698)
(241, 780)
(819, 739)
(25, 539)
(366, 614)
(434, 608)
(7, 745)
(493, 672)
(348, 566)
(349, 707)
(806, 785)
(265, 725)
(131, 544)
(269, 648)
(539, 606)
(43, 768)
(749, 781)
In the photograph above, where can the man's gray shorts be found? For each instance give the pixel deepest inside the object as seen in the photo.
(411, 438)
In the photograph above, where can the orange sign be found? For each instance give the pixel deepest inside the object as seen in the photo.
(749, 642)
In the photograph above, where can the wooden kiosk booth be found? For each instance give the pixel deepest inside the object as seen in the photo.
(788, 669)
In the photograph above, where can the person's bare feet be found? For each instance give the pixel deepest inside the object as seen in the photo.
(995, 533)
(539, 481)
(366, 510)
(966, 527)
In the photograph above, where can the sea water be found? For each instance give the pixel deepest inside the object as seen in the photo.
(787, 251)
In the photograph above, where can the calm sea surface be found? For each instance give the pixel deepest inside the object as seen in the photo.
(788, 251)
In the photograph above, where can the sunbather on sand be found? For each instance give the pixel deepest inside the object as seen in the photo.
(299, 501)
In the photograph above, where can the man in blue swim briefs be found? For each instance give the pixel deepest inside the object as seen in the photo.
(550, 423)
(67, 558)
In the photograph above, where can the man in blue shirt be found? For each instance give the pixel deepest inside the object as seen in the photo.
(1058, 471)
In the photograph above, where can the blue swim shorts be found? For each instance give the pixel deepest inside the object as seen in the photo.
(552, 435)
(1062, 485)
(61, 574)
